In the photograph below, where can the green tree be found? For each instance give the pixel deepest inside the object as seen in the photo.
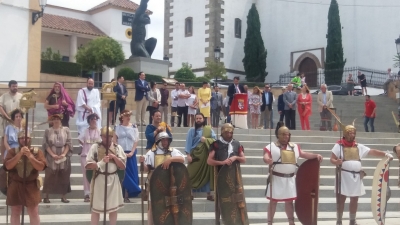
(255, 54)
(50, 55)
(127, 73)
(335, 61)
(100, 54)
(185, 72)
(215, 70)
(396, 60)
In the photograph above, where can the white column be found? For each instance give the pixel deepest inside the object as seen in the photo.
(73, 48)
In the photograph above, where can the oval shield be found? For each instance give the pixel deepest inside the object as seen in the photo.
(171, 197)
(231, 195)
(307, 185)
(380, 191)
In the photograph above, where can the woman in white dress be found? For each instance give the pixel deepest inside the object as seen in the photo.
(193, 104)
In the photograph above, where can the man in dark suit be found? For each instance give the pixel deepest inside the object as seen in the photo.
(290, 98)
(122, 93)
(233, 89)
(142, 87)
(281, 106)
(266, 108)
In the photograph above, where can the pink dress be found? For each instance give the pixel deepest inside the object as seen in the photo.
(87, 138)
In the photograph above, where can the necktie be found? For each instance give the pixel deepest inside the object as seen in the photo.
(237, 89)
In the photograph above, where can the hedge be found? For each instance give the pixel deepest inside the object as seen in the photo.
(61, 68)
(149, 78)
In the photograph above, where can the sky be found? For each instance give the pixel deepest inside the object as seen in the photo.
(155, 29)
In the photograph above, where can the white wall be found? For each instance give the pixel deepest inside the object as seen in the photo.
(188, 49)
(80, 15)
(14, 42)
(233, 50)
(117, 31)
(368, 33)
(57, 42)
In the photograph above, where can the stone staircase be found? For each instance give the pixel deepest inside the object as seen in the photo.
(254, 172)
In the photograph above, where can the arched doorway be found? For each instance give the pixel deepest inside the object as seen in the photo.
(309, 68)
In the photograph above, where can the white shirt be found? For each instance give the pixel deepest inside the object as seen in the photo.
(174, 94)
(149, 158)
(225, 101)
(182, 101)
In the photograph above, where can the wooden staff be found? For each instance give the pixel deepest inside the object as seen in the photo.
(24, 161)
(271, 169)
(142, 172)
(216, 202)
(339, 179)
(106, 171)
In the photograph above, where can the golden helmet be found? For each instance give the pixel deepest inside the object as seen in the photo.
(227, 127)
(21, 134)
(103, 131)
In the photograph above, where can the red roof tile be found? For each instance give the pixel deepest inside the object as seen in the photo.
(126, 4)
(70, 24)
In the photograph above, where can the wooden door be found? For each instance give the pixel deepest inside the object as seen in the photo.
(309, 68)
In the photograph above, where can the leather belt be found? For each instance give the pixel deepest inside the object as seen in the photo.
(104, 173)
(362, 173)
(287, 175)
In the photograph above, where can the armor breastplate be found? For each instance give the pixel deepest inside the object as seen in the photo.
(222, 152)
(351, 154)
(101, 151)
(160, 158)
(288, 157)
(29, 167)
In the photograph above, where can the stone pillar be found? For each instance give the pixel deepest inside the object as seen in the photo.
(73, 48)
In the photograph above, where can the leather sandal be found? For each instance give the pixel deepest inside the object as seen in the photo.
(86, 199)
(126, 200)
(46, 200)
(210, 198)
(291, 221)
(64, 200)
(339, 222)
(269, 222)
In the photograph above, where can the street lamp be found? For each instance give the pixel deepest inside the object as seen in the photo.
(37, 15)
(166, 58)
(217, 55)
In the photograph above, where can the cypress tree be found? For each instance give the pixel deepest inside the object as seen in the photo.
(255, 54)
(335, 61)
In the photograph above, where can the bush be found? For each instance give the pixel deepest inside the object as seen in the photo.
(189, 82)
(185, 72)
(149, 78)
(202, 79)
(50, 55)
(127, 73)
(61, 68)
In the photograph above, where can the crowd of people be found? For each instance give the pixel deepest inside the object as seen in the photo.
(117, 146)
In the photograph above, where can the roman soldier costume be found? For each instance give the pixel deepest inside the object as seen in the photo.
(283, 169)
(230, 199)
(114, 176)
(33, 182)
(169, 189)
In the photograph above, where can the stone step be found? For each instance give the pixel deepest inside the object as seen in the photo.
(256, 218)
(254, 191)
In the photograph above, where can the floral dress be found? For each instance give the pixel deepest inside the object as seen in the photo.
(255, 102)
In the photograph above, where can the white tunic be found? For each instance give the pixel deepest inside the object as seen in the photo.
(9, 103)
(351, 184)
(115, 200)
(283, 188)
(92, 100)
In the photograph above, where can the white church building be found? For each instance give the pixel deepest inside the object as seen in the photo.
(294, 33)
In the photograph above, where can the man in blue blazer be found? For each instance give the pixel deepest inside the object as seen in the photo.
(122, 93)
(142, 87)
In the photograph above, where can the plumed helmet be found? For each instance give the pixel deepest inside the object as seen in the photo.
(103, 131)
(347, 129)
(162, 135)
(227, 127)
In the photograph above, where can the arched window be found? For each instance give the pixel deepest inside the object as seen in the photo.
(238, 28)
(189, 27)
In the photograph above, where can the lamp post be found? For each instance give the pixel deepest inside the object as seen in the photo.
(166, 58)
(397, 41)
(37, 15)
(217, 55)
